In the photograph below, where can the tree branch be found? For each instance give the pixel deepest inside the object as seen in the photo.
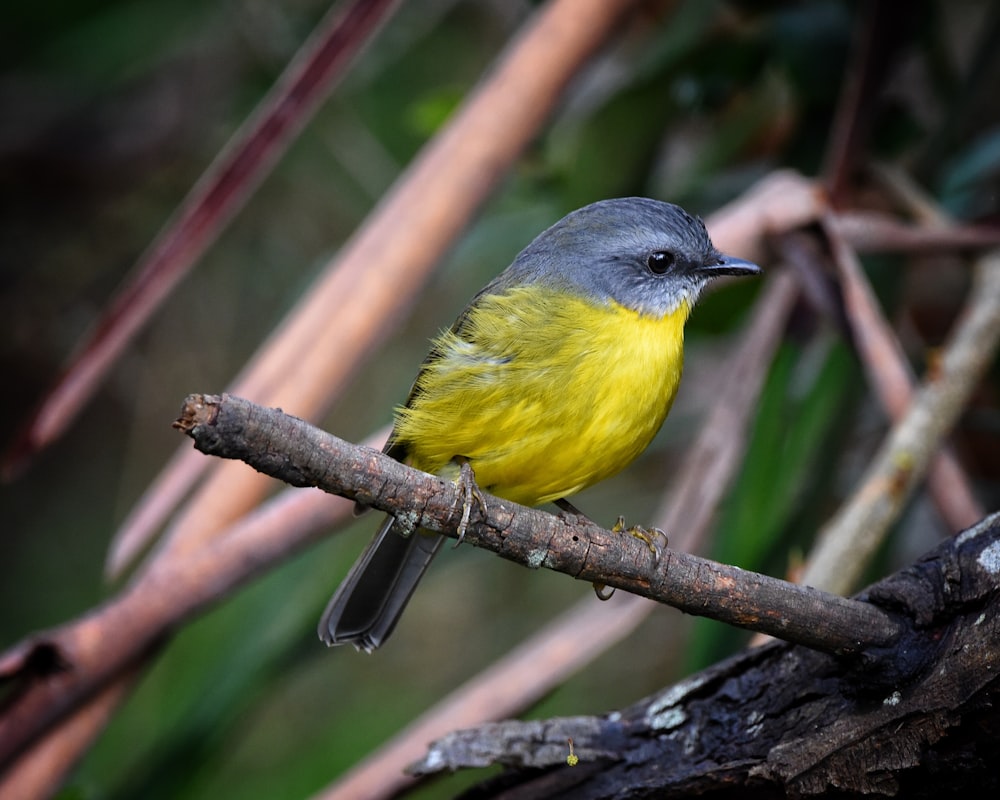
(848, 541)
(312, 355)
(293, 451)
(212, 202)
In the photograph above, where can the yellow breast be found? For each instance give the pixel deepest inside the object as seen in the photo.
(544, 393)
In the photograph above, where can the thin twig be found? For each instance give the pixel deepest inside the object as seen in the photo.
(890, 374)
(849, 540)
(314, 353)
(299, 454)
(62, 669)
(41, 771)
(876, 43)
(873, 232)
(227, 184)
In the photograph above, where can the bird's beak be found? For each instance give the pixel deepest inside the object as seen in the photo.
(728, 265)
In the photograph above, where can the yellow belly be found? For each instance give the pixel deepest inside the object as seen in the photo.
(544, 394)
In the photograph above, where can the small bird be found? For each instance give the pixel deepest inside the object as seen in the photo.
(557, 375)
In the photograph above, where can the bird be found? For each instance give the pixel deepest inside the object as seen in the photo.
(555, 376)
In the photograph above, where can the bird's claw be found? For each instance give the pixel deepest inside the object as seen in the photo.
(602, 591)
(651, 536)
(470, 493)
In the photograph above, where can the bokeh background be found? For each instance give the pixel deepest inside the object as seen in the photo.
(109, 112)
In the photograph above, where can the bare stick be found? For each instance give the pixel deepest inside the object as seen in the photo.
(876, 42)
(295, 452)
(41, 771)
(313, 354)
(204, 213)
(848, 541)
(890, 374)
(872, 232)
(62, 669)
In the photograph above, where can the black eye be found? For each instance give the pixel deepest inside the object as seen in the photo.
(660, 261)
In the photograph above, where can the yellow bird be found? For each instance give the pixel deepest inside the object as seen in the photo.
(555, 376)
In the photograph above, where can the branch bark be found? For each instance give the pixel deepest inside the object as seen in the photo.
(297, 453)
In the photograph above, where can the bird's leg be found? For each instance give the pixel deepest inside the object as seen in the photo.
(470, 492)
(570, 510)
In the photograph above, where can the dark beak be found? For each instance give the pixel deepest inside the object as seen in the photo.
(728, 265)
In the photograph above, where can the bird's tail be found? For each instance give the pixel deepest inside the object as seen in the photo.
(368, 603)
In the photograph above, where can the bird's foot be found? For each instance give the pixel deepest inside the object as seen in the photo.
(651, 536)
(470, 493)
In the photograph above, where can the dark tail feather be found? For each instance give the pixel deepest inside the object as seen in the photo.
(370, 600)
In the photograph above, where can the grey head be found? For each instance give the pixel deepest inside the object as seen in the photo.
(643, 254)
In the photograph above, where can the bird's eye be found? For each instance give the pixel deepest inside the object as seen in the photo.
(660, 261)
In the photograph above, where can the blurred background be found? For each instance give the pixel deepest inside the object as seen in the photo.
(109, 112)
